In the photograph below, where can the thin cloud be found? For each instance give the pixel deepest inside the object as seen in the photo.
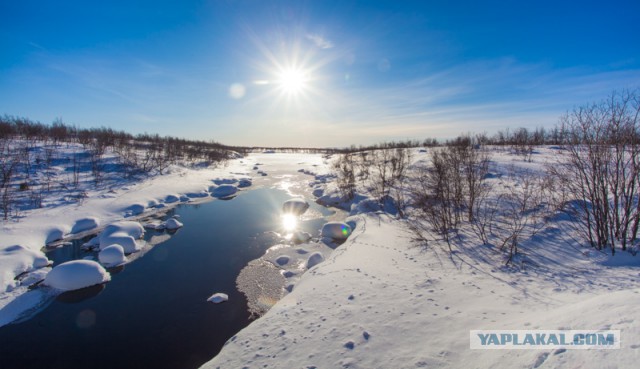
(320, 41)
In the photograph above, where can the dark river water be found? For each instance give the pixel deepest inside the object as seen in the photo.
(154, 312)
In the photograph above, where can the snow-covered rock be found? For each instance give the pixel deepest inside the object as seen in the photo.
(172, 224)
(124, 233)
(55, 234)
(295, 206)
(112, 255)
(135, 209)
(85, 224)
(219, 297)
(171, 199)
(76, 274)
(224, 190)
(336, 230)
(245, 182)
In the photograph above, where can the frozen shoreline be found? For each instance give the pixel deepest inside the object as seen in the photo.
(383, 299)
(129, 201)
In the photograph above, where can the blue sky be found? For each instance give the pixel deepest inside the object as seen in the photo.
(373, 70)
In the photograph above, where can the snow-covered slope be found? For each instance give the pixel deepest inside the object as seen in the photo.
(383, 301)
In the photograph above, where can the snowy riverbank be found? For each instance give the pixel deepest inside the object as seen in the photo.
(23, 238)
(384, 298)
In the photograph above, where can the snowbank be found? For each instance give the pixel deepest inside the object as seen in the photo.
(76, 274)
(15, 260)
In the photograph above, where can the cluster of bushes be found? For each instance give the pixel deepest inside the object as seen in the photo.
(595, 179)
(30, 150)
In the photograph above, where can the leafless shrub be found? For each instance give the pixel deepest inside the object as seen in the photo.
(602, 169)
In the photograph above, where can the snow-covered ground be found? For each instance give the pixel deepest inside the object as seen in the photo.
(384, 298)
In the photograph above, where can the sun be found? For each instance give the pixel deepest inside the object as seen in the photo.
(292, 80)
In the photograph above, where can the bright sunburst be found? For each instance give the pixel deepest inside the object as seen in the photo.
(292, 81)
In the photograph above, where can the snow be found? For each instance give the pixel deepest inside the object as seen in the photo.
(15, 260)
(314, 259)
(224, 190)
(382, 299)
(336, 230)
(76, 274)
(124, 233)
(295, 206)
(85, 224)
(172, 224)
(112, 256)
(219, 297)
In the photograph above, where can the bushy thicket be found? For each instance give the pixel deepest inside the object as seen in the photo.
(31, 150)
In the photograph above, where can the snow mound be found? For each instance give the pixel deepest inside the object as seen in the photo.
(55, 234)
(219, 297)
(135, 209)
(336, 230)
(76, 274)
(171, 199)
(245, 182)
(295, 206)
(85, 224)
(172, 224)
(122, 233)
(112, 255)
(314, 259)
(15, 260)
(224, 190)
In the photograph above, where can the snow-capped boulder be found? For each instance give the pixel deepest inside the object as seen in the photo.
(219, 297)
(301, 236)
(85, 224)
(172, 224)
(314, 259)
(135, 209)
(123, 233)
(112, 255)
(76, 274)
(295, 206)
(336, 230)
(245, 182)
(171, 199)
(224, 190)
(55, 234)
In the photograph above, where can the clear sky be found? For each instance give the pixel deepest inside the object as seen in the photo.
(313, 73)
